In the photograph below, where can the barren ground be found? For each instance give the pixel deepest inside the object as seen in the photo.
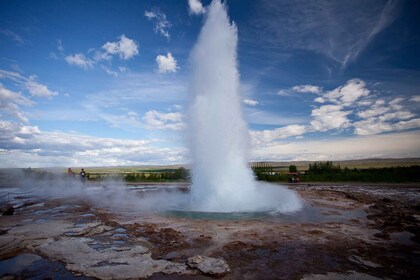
(343, 232)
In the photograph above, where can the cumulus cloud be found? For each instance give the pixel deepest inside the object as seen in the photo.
(329, 117)
(353, 107)
(267, 136)
(415, 98)
(13, 133)
(10, 102)
(372, 126)
(37, 89)
(196, 7)
(161, 23)
(125, 48)
(307, 89)
(382, 117)
(159, 120)
(375, 110)
(79, 60)
(250, 102)
(166, 63)
(346, 95)
(29, 84)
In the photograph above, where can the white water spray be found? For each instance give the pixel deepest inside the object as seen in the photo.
(222, 180)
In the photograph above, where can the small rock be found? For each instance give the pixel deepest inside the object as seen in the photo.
(7, 210)
(170, 256)
(207, 265)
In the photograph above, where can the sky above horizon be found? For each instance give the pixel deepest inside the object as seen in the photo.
(102, 83)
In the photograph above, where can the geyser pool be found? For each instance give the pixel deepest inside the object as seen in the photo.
(219, 138)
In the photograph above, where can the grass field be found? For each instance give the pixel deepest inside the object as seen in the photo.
(277, 166)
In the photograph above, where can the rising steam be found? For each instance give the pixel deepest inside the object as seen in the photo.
(222, 180)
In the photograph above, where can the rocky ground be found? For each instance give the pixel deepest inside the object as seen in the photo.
(343, 232)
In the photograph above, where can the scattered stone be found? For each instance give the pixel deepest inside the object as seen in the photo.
(207, 265)
(366, 263)
(7, 210)
(171, 256)
(91, 231)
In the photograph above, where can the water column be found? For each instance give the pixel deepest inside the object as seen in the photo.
(219, 138)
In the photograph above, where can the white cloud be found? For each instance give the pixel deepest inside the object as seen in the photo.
(329, 117)
(28, 83)
(79, 60)
(158, 120)
(161, 23)
(267, 136)
(396, 145)
(37, 89)
(13, 133)
(24, 146)
(283, 92)
(196, 7)
(375, 110)
(125, 48)
(166, 63)
(415, 98)
(250, 102)
(381, 118)
(307, 89)
(396, 101)
(10, 102)
(373, 126)
(347, 94)
(109, 71)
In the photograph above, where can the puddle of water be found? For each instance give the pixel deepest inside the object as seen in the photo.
(31, 266)
(87, 215)
(119, 236)
(403, 238)
(120, 230)
(118, 242)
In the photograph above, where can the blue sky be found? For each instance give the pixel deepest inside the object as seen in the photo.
(94, 83)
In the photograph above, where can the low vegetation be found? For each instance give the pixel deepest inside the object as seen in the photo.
(329, 172)
(382, 170)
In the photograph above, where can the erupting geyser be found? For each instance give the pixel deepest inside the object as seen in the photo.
(222, 180)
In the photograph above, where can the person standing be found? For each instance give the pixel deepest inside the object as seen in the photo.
(82, 175)
(70, 173)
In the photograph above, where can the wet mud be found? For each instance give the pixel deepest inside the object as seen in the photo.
(343, 232)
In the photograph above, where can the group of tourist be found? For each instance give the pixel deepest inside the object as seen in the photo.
(82, 174)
